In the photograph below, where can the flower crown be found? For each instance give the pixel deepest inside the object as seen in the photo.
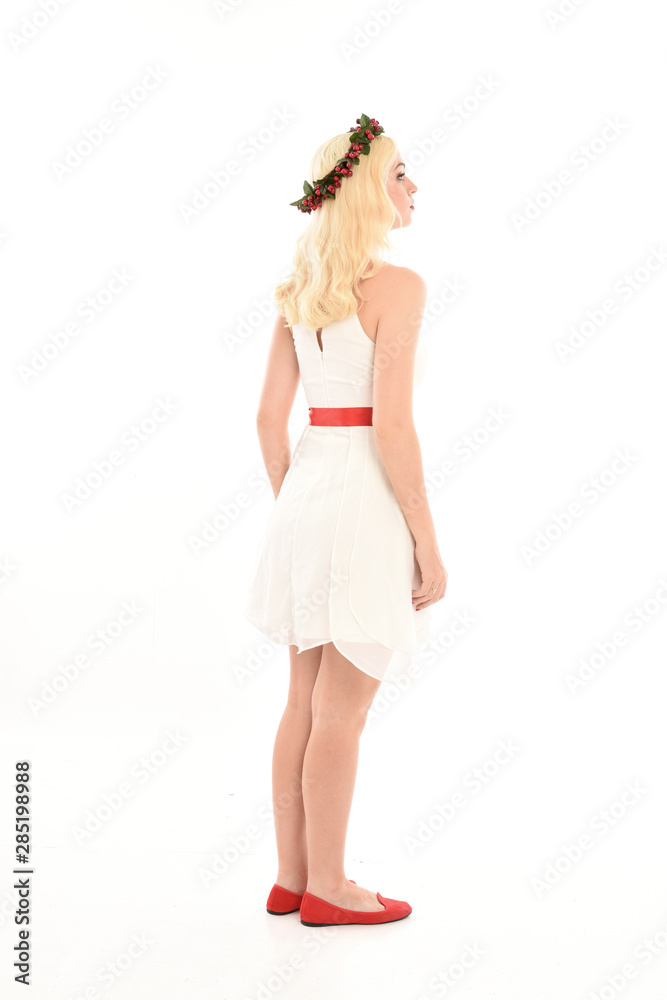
(360, 144)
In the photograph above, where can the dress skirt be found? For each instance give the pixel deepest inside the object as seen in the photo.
(336, 562)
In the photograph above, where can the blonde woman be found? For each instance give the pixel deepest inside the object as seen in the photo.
(348, 565)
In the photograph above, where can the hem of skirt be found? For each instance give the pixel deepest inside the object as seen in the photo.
(290, 639)
(283, 637)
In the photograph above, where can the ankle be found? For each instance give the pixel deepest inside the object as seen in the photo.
(329, 886)
(291, 877)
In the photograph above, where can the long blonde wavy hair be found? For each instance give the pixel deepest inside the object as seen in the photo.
(343, 235)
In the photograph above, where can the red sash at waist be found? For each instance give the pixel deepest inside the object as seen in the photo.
(340, 416)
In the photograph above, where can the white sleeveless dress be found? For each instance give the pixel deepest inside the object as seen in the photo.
(336, 561)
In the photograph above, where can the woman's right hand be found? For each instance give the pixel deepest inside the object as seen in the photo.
(433, 574)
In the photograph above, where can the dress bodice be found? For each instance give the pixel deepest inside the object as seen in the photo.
(341, 374)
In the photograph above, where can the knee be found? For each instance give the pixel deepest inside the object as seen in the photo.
(300, 703)
(351, 718)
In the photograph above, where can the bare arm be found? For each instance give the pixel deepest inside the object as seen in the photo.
(393, 378)
(281, 382)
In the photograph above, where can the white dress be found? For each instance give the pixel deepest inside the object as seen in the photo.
(336, 561)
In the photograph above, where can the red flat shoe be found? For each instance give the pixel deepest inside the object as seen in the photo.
(317, 912)
(283, 901)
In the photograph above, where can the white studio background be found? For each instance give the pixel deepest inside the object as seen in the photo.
(136, 317)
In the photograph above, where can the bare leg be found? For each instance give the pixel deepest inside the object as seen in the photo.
(341, 698)
(290, 745)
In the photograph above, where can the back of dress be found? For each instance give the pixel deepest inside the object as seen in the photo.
(341, 373)
(336, 561)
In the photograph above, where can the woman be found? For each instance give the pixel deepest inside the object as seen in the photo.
(351, 531)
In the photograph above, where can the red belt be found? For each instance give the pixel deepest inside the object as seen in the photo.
(340, 416)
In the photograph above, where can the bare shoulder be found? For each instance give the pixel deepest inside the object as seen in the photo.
(404, 273)
(402, 301)
(394, 272)
(401, 283)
